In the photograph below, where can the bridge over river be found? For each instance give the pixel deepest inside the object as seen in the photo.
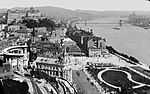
(120, 22)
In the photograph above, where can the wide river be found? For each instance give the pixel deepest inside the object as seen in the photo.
(131, 40)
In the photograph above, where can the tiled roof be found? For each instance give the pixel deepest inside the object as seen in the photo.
(48, 60)
(96, 38)
(74, 48)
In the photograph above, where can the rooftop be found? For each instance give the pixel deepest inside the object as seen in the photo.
(74, 48)
(48, 60)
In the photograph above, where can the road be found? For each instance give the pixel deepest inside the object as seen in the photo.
(82, 83)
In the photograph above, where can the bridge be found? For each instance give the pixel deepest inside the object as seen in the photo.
(119, 23)
(101, 23)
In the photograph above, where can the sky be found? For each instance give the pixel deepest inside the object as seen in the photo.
(99, 5)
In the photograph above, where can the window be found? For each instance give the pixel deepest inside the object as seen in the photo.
(53, 68)
(45, 60)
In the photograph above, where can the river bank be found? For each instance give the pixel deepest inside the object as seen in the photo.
(131, 40)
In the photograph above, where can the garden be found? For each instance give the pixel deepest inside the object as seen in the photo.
(120, 79)
(117, 78)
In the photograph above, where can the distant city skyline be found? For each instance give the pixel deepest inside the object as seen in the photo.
(99, 5)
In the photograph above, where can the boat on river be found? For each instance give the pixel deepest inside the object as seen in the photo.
(116, 28)
(146, 27)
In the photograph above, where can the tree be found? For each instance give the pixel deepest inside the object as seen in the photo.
(30, 23)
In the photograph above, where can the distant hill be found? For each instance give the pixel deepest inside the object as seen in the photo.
(67, 14)
(2, 10)
(114, 13)
(61, 13)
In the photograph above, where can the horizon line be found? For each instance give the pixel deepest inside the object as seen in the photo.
(75, 9)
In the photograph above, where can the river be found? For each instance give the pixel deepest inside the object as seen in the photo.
(131, 40)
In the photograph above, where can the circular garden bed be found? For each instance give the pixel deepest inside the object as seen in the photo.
(117, 78)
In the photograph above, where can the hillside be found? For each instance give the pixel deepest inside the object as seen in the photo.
(67, 14)
(2, 10)
(61, 13)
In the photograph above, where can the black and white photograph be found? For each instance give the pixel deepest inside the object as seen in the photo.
(75, 47)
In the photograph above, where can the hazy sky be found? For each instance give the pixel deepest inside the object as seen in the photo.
(81, 4)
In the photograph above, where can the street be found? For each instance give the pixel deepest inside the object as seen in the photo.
(83, 84)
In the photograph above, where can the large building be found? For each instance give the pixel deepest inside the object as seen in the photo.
(54, 67)
(33, 13)
(139, 20)
(46, 49)
(97, 47)
(51, 66)
(17, 15)
(94, 46)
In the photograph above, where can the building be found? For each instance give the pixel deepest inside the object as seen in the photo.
(46, 49)
(53, 67)
(56, 36)
(92, 45)
(16, 56)
(95, 52)
(68, 42)
(15, 15)
(132, 18)
(35, 38)
(22, 32)
(74, 50)
(139, 20)
(40, 30)
(15, 26)
(33, 13)
(96, 42)
(96, 47)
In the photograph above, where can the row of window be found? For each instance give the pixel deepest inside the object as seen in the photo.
(53, 73)
(49, 67)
